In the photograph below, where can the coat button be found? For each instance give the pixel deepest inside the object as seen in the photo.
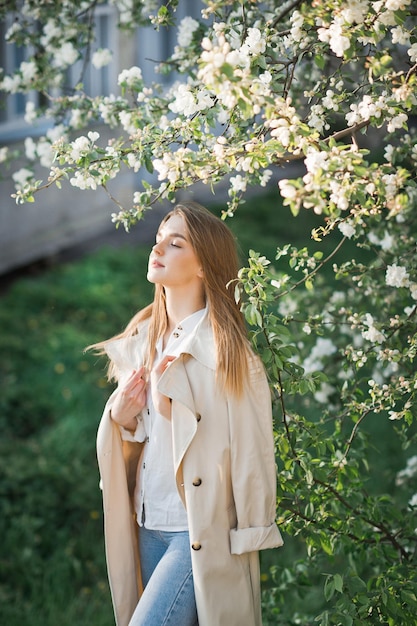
(197, 482)
(198, 417)
(196, 545)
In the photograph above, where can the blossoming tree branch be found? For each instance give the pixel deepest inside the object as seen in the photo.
(260, 85)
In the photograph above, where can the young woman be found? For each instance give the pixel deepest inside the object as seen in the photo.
(185, 445)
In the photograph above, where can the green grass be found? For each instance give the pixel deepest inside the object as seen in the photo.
(52, 568)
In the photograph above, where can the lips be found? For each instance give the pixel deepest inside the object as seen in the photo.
(156, 264)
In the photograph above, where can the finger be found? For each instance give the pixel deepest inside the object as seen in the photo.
(142, 372)
(135, 378)
(166, 361)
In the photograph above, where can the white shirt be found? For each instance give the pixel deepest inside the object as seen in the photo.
(158, 505)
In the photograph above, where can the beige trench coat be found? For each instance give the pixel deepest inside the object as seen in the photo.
(226, 476)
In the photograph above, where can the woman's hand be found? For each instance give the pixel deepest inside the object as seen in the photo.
(130, 400)
(161, 403)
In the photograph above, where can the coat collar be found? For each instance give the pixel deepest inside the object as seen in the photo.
(127, 352)
(200, 343)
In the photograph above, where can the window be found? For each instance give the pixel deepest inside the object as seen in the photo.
(96, 81)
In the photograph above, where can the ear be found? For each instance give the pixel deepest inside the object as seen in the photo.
(200, 273)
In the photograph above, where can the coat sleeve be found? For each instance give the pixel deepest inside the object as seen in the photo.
(253, 468)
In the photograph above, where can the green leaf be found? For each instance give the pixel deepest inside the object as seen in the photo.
(329, 588)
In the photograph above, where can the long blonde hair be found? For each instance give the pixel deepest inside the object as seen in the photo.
(215, 248)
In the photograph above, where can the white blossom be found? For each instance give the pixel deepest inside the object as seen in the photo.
(133, 161)
(413, 290)
(22, 176)
(79, 148)
(394, 415)
(55, 133)
(3, 153)
(187, 103)
(238, 183)
(355, 11)
(28, 70)
(396, 5)
(412, 53)
(389, 153)
(396, 276)
(397, 122)
(45, 153)
(322, 348)
(413, 500)
(65, 55)
(323, 394)
(329, 101)
(265, 178)
(372, 334)
(101, 58)
(333, 35)
(281, 131)
(84, 180)
(339, 197)
(130, 77)
(93, 136)
(297, 34)
(410, 471)
(126, 118)
(367, 108)
(183, 101)
(286, 189)
(346, 229)
(387, 242)
(316, 161)
(186, 29)
(163, 122)
(107, 109)
(30, 149)
(50, 31)
(255, 42)
(76, 118)
(11, 83)
(172, 165)
(400, 36)
(14, 28)
(30, 112)
(316, 118)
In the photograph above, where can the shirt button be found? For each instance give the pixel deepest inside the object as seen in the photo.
(197, 482)
(198, 417)
(196, 545)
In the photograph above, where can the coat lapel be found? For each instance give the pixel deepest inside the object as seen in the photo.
(175, 384)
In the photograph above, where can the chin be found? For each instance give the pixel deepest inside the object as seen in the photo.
(151, 278)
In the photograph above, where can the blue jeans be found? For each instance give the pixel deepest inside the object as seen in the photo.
(168, 598)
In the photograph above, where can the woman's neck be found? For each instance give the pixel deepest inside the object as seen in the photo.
(180, 306)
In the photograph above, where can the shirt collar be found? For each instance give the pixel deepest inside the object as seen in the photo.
(182, 330)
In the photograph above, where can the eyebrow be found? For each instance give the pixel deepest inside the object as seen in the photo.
(158, 234)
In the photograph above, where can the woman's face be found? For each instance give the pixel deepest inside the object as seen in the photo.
(172, 261)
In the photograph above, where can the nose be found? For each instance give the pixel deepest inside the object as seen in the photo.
(157, 248)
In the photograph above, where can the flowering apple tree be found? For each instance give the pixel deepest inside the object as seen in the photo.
(260, 85)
